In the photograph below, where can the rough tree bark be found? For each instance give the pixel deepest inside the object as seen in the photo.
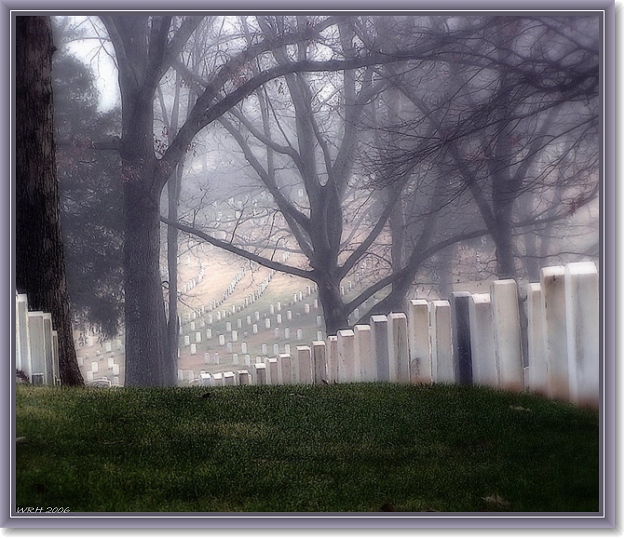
(40, 260)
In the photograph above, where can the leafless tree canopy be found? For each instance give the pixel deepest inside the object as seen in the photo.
(386, 149)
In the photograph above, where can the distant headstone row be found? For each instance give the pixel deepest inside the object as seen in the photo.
(470, 339)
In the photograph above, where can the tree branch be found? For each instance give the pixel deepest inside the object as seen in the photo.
(261, 260)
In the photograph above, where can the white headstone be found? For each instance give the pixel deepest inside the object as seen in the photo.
(260, 373)
(538, 377)
(581, 282)
(286, 369)
(332, 360)
(553, 301)
(507, 329)
(363, 353)
(419, 340)
(319, 361)
(485, 367)
(379, 340)
(304, 365)
(272, 371)
(345, 355)
(399, 358)
(441, 342)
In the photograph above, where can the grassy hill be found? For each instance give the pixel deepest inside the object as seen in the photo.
(340, 448)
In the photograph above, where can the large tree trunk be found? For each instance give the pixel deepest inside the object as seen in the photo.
(148, 362)
(334, 311)
(40, 260)
(172, 265)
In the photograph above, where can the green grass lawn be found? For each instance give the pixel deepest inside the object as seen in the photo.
(341, 448)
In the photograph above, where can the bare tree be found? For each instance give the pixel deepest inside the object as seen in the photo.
(145, 48)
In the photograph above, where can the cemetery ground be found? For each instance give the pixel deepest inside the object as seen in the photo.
(368, 447)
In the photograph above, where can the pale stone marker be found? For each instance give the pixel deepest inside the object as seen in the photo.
(399, 358)
(419, 341)
(205, 380)
(345, 356)
(38, 343)
(261, 373)
(243, 377)
(461, 332)
(485, 368)
(187, 340)
(94, 367)
(538, 377)
(581, 281)
(116, 369)
(441, 342)
(319, 361)
(110, 362)
(198, 337)
(304, 364)
(507, 325)
(272, 371)
(553, 302)
(332, 362)
(22, 340)
(229, 378)
(380, 345)
(363, 354)
(286, 369)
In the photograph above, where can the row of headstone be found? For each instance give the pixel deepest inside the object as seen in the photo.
(36, 344)
(469, 339)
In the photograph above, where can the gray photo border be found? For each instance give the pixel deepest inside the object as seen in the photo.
(606, 520)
